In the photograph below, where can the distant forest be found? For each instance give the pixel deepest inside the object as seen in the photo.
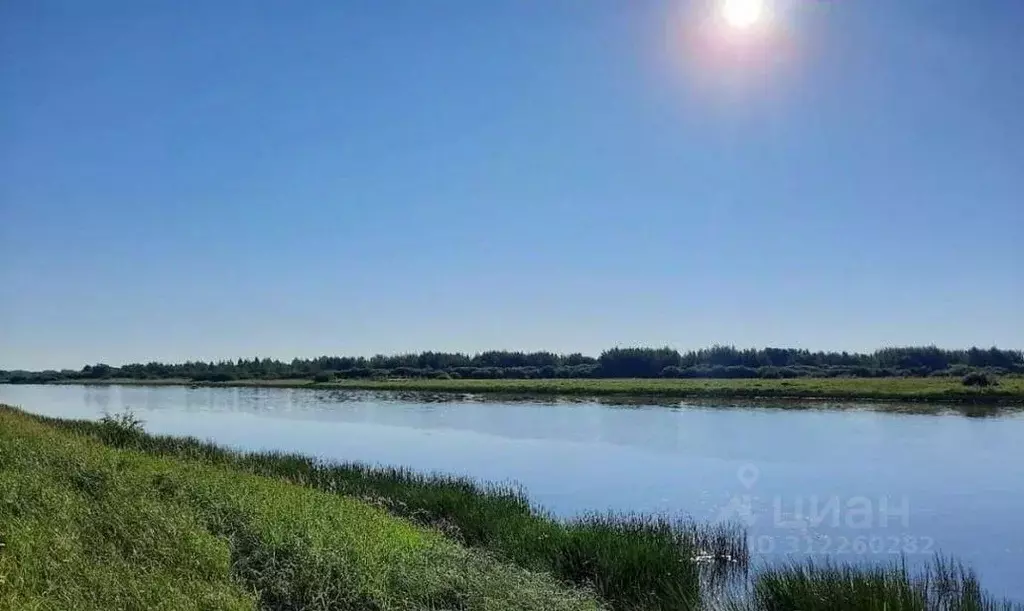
(714, 362)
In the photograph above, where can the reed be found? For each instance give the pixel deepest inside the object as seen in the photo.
(943, 585)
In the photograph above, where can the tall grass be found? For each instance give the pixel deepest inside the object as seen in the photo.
(944, 585)
(631, 561)
(88, 527)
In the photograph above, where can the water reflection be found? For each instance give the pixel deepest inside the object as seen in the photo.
(958, 480)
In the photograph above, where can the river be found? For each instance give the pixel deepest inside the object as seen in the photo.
(857, 485)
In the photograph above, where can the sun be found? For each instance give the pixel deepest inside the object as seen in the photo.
(742, 14)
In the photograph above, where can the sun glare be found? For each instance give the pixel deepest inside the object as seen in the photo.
(742, 14)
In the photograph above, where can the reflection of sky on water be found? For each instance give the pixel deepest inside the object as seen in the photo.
(962, 478)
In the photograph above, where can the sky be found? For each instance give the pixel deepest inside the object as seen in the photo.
(278, 179)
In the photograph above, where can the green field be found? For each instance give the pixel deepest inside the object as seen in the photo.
(1009, 391)
(105, 516)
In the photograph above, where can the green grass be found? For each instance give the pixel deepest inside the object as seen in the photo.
(101, 515)
(1010, 390)
(943, 586)
(631, 561)
(85, 526)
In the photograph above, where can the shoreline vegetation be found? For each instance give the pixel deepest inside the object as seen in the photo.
(97, 515)
(910, 374)
(1006, 390)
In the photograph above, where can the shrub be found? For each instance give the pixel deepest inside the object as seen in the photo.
(576, 371)
(776, 373)
(671, 372)
(408, 372)
(120, 429)
(519, 373)
(980, 379)
(320, 378)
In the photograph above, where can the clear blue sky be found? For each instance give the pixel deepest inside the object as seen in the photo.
(240, 177)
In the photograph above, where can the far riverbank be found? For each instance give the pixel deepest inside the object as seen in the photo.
(1008, 391)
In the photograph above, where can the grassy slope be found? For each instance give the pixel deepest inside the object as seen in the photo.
(84, 526)
(932, 389)
(631, 561)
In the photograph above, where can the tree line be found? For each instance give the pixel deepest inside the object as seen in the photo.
(638, 362)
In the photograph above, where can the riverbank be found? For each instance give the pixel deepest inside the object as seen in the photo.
(85, 526)
(1009, 390)
(622, 561)
(103, 515)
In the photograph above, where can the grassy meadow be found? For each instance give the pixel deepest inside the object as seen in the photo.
(101, 515)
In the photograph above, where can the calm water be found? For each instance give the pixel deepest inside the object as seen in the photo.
(856, 485)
